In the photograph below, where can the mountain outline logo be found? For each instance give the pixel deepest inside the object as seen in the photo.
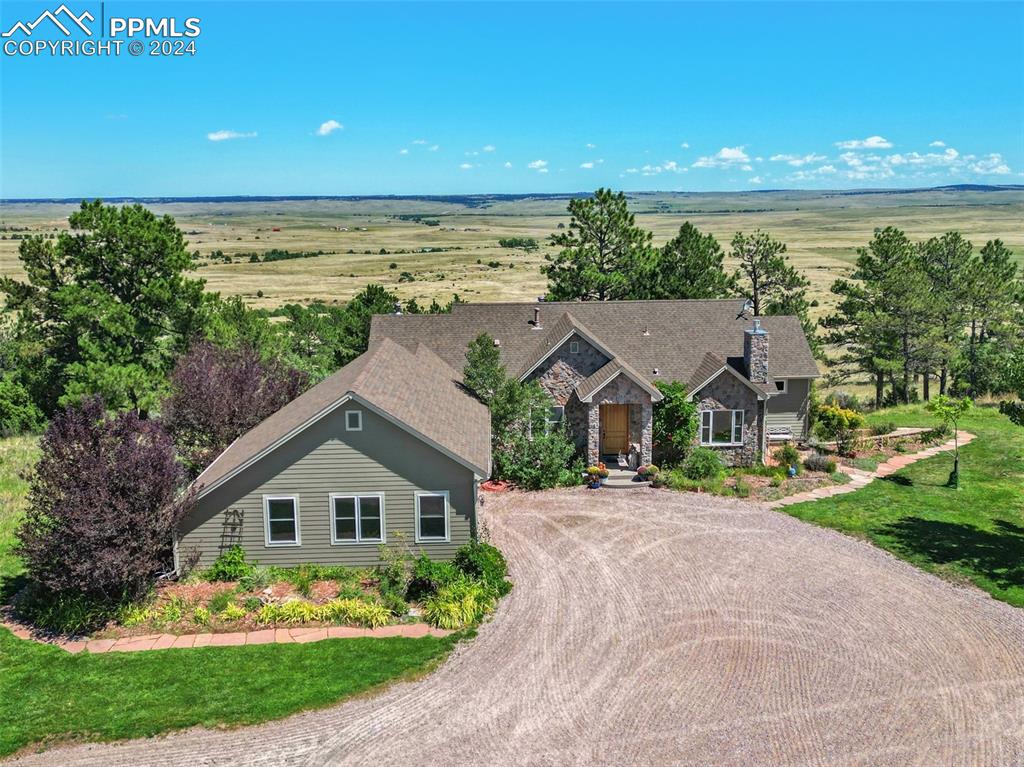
(53, 16)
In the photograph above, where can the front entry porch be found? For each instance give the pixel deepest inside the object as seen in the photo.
(616, 428)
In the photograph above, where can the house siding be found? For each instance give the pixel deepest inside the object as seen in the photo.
(325, 459)
(726, 392)
(789, 410)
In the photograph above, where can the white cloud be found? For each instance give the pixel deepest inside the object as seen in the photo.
(591, 146)
(542, 170)
(684, 145)
(466, 166)
(669, 166)
(992, 164)
(537, 164)
(747, 168)
(587, 165)
(756, 180)
(871, 142)
(796, 160)
(489, 148)
(434, 148)
(403, 151)
(508, 164)
(473, 153)
(725, 157)
(420, 142)
(227, 135)
(938, 143)
(327, 128)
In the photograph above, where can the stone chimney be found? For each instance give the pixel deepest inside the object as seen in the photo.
(755, 353)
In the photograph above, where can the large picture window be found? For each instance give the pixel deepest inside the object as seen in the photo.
(357, 518)
(721, 427)
(281, 518)
(432, 516)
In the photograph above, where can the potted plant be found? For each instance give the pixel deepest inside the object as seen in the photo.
(602, 473)
(593, 477)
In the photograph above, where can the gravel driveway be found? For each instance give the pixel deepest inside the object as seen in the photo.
(652, 628)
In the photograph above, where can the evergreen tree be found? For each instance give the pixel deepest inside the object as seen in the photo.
(688, 266)
(603, 251)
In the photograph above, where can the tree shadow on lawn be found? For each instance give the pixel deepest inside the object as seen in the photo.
(899, 479)
(998, 554)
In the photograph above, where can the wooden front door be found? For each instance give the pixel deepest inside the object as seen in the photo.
(614, 429)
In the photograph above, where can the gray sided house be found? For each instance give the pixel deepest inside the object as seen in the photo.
(389, 448)
(600, 361)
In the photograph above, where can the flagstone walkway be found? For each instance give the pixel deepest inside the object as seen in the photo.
(232, 639)
(860, 478)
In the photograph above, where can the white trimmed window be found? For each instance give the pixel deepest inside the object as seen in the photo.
(353, 420)
(721, 427)
(432, 516)
(780, 385)
(574, 347)
(555, 416)
(357, 518)
(281, 520)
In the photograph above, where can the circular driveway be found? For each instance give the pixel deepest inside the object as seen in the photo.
(654, 628)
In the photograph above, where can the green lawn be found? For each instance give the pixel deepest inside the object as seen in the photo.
(17, 454)
(975, 533)
(48, 695)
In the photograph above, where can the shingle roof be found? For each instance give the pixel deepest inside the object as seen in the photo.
(678, 334)
(554, 335)
(412, 386)
(593, 383)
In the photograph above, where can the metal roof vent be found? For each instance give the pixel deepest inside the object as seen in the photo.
(656, 371)
(646, 331)
(497, 342)
(536, 318)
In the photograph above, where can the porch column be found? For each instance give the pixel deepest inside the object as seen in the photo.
(593, 434)
(647, 432)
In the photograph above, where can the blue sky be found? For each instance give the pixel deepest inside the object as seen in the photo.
(449, 98)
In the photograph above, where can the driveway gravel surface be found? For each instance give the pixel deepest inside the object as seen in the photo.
(655, 628)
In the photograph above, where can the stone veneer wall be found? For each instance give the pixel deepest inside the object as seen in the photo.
(559, 374)
(755, 355)
(621, 391)
(728, 393)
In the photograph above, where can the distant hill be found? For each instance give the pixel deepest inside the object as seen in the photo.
(483, 200)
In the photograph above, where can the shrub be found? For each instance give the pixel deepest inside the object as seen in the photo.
(484, 562)
(742, 488)
(257, 579)
(220, 601)
(395, 605)
(674, 424)
(201, 616)
(395, 570)
(63, 613)
(839, 424)
(879, 429)
(359, 612)
(230, 565)
(459, 605)
(231, 613)
(18, 412)
(302, 578)
(787, 455)
(839, 477)
(218, 394)
(252, 604)
(819, 462)
(429, 576)
(777, 480)
(103, 503)
(298, 611)
(702, 463)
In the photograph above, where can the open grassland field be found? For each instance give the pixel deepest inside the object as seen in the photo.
(362, 238)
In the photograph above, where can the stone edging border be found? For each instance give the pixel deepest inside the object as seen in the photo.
(232, 639)
(859, 479)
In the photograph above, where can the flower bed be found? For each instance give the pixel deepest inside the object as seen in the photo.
(234, 596)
